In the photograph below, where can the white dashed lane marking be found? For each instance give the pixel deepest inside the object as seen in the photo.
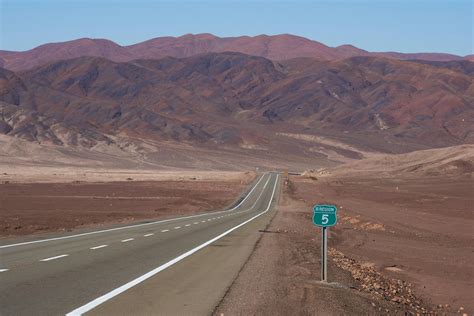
(98, 247)
(130, 239)
(127, 227)
(54, 258)
(121, 289)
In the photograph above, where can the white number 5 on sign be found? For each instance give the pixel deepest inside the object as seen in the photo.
(325, 219)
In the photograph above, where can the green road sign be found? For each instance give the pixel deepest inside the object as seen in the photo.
(324, 215)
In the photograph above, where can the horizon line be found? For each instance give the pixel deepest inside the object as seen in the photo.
(224, 37)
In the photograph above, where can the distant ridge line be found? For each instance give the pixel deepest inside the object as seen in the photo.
(273, 47)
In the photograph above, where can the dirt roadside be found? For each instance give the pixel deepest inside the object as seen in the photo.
(281, 277)
(31, 208)
(414, 229)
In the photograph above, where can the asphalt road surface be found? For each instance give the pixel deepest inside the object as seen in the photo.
(177, 266)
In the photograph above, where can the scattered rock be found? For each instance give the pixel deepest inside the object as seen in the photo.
(313, 173)
(370, 280)
(393, 269)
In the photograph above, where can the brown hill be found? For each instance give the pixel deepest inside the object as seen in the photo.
(232, 101)
(65, 50)
(277, 47)
(449, 161)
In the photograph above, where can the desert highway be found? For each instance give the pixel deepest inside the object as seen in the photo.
(181, 265)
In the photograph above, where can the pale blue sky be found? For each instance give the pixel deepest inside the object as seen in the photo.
(383, 25)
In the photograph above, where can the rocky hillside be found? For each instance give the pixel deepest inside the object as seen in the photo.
(233, 99)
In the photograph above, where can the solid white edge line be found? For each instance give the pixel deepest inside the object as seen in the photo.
(54, 258)
(132, 226)
(246, 197)
(260, 195)
(98, 247)
(87, 307)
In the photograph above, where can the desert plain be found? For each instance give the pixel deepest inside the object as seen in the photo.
(96, 135)
(403, 242)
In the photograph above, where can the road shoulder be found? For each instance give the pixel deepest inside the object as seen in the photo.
(194, 285)
(282, 275)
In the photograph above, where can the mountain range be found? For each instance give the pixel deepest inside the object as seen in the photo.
(277, 47)
(301, 108)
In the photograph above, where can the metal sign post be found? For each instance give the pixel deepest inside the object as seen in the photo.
(324, 216)
(324, 254)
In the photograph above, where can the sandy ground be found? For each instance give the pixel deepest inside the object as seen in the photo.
(403, 242)
(414, 229)
(448, 161)
(46, 174)
(29, 208)
(127, 154)
(282, 276)
(400, 246)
